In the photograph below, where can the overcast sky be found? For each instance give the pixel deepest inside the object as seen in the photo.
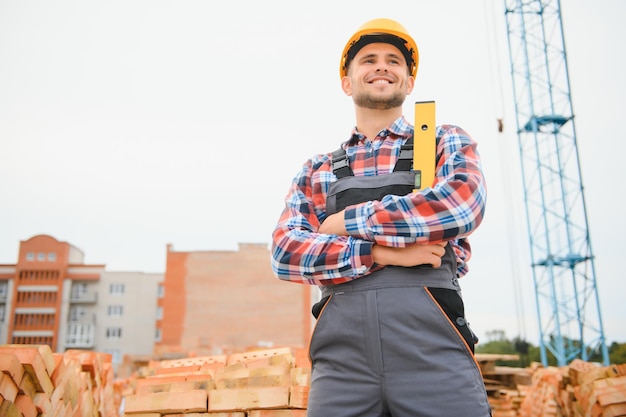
(126, 125)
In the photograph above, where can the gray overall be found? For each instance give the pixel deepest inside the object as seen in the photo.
(394, 343)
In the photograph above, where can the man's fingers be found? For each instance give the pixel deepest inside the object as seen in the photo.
(436, 263)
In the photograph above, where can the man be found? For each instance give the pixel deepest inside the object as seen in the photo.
(391, 337)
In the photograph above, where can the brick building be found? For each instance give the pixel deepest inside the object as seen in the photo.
(225, 301)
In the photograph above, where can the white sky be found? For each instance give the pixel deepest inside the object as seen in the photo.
(126, 125)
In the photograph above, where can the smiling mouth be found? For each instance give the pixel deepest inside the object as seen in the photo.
(380, 81)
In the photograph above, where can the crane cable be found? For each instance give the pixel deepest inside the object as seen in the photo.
(498, 104)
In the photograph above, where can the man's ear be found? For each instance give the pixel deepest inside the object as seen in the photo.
(346, 85)
(410, 83)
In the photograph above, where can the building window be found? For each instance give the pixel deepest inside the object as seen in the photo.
(30, 256)
(114, 333)
(78, 313)
(116, 289)
(161, 291)
(41, 256)
(115, 311)
(157, 336)
(4, 290)
(159, 314)
(116, 355)
(52, 256)
(79, 290)
(80, 335)
(1, 313)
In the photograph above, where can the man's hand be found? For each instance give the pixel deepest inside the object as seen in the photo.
(334, 225)
(413, 255)
(416, 254)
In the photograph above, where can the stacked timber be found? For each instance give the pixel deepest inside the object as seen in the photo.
(581, 389)
(257, 383)
(35, 382)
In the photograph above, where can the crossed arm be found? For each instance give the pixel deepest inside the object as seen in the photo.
(417, 254)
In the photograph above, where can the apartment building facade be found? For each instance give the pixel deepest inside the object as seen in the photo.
(50, 296)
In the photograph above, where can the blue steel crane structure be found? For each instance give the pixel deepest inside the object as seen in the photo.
(566, 296)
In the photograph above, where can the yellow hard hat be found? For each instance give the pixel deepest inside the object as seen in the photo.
(381, 30)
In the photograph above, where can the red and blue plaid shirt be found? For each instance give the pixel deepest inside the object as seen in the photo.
(448, 211)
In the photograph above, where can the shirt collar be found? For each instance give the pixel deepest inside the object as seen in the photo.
(400, 127)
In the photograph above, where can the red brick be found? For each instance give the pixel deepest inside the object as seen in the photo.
(178, 386)
(27, 385)
(198, 360)
(166, 403)
(614, 410)
(44, 351)
(611, 398)
(8, 409)
(277, 413)
(224, 414)
(8, 388)
(26, 406)
(298, 396)
(178, 370)
(43, 403)
(248, 398)
(34, 364)
(11, 365)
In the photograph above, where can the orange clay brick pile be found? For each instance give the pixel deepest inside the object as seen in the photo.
(581, 389)
(35, 382)
(257, 383)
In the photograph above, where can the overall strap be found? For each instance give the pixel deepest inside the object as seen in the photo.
(341, 163)
(405, 159)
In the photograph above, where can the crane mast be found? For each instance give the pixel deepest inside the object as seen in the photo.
(562, 260)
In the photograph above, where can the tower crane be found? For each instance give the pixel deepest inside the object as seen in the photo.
(562, 260)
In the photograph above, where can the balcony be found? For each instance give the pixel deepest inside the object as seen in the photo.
(80, 335)
(84, 298)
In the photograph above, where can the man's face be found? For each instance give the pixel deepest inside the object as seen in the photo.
(378, 77)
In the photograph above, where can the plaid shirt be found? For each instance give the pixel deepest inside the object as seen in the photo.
(449, 211)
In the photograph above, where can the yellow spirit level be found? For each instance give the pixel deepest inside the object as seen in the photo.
(424, 147)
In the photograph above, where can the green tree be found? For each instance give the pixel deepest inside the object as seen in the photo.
(499, 344)
(617, 353)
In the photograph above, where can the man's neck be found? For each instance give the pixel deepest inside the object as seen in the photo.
(369, 122)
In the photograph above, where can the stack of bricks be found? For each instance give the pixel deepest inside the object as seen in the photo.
(257, 383)
(506, 402)
(597, 391)
(581, 389)
(35, 382)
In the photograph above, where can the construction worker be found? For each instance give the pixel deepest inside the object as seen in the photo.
(391, 337)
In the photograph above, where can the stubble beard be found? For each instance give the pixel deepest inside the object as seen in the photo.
(369, 101)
